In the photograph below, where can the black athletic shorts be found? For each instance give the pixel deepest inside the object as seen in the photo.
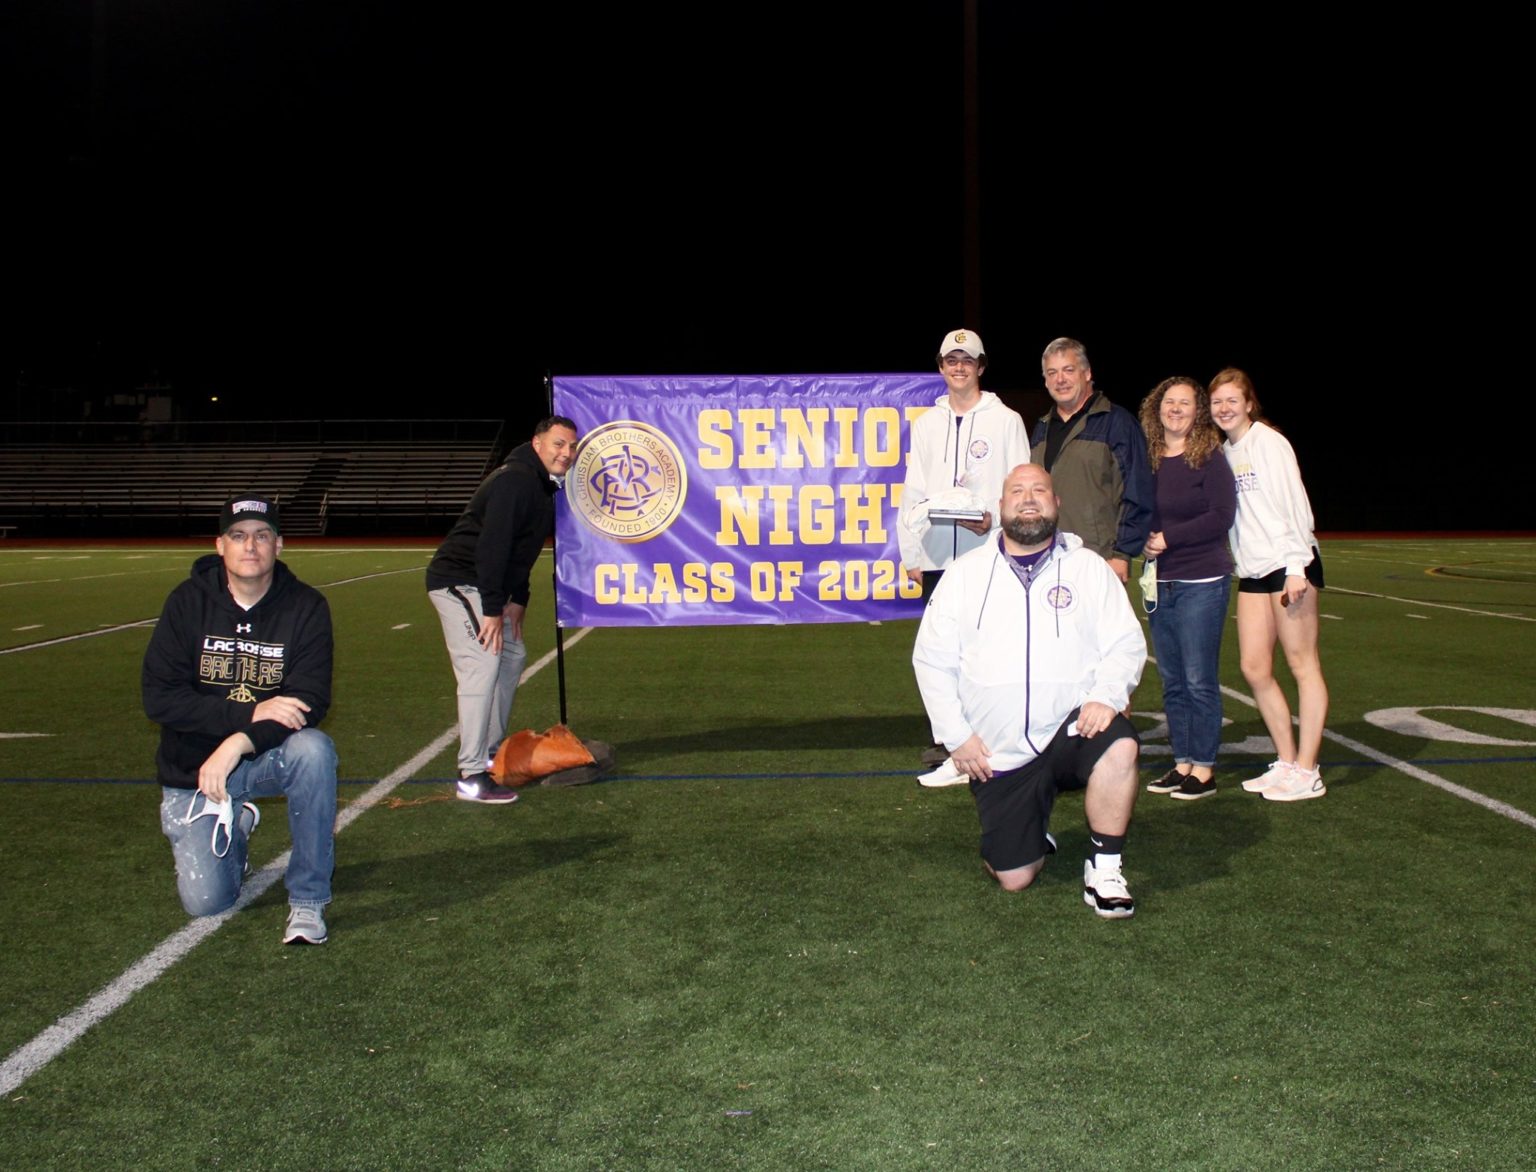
(1275, 583)
(1015, 807)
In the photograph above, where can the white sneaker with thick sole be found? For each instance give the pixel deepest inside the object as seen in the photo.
(1104, 890)
(1301, 785)
(1277, 774)
(945, 774)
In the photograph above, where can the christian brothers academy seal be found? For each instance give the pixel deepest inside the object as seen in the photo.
(628, 482)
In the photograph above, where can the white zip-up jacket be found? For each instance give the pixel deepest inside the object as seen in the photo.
(976, 450)
(1273, 526)
(1009, 662)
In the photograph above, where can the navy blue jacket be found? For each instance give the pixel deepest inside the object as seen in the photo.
(1103, 478)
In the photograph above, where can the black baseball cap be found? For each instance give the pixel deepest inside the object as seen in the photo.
(248, 507)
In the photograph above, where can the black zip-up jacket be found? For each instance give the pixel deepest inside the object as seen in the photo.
(494, 543)
(210, 662)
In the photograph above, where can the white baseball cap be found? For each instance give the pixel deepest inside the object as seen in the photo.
(967, 340)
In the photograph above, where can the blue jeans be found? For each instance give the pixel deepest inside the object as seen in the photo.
(302, 769)
(1186, 638)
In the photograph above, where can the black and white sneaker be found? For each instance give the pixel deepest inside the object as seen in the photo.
(250, 830)
(1167, 783)
(482, 787)
(945, 774)
(1104, 890)
(934, 755)
(1194, 789)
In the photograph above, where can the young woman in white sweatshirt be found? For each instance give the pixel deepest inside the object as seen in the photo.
(1279, 570)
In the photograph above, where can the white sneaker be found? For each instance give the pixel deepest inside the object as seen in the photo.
(1301, 785)
(305, 926)
(1276, 774)
(1104, 890)
(945, 774)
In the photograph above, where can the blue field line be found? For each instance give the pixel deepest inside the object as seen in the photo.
(1329, 763)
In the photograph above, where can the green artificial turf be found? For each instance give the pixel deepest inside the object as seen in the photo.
(762, 946)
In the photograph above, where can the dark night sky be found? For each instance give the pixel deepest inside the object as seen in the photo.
(390, 210)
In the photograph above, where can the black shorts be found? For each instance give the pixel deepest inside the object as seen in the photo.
(1275, 583)
(1015, 807)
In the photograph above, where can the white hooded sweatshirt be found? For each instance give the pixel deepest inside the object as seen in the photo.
(1009, 662)
(975, 451)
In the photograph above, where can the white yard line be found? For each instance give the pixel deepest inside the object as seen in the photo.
(1503, 809)
(71, 638)
(151, 622)
(380, 574)
(26, 1060)
(1492, 614)
(91, 577)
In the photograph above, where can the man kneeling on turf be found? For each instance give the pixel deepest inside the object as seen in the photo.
(1027, 654)
(237, 674)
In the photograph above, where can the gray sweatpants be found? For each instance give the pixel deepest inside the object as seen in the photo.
(487, 683)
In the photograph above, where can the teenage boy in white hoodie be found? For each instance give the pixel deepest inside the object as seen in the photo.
(961, 450)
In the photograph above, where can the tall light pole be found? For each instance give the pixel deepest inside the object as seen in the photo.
(971, 216)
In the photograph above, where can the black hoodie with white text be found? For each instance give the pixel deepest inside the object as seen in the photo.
(210, 662)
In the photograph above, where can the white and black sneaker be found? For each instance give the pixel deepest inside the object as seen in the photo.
(1194, 789)
(482, 787)
(945, 774)
(1104, 890)
(250, 830)
(1167, 783)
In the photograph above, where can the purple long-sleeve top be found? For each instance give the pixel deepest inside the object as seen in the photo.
(1194, 511)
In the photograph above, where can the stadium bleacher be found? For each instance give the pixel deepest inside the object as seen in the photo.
(401, 477)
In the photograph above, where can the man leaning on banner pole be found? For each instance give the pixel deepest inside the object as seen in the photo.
(478, 582)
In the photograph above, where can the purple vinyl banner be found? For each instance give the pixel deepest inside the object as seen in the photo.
(754, 499)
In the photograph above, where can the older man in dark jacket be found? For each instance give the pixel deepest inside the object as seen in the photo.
(1097, 457)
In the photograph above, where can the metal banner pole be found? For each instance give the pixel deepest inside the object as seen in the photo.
(554, 579)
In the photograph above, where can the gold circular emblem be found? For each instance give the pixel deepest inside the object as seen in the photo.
(628, 481)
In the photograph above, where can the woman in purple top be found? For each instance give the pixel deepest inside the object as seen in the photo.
(1196, 501)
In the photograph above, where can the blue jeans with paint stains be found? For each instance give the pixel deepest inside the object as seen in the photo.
(210, 863)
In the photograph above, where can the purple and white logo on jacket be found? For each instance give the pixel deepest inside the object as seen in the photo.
(980, 449)
(1061, 598)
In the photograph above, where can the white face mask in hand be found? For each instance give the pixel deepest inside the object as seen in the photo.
(1148, 584)
(224, 815)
